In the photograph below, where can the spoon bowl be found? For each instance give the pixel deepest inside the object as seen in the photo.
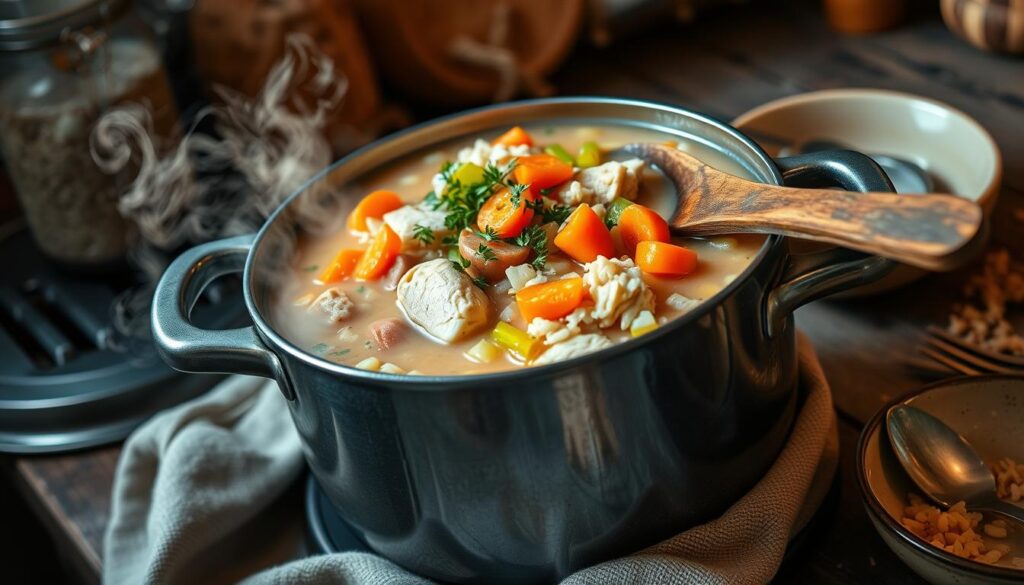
(942, 463)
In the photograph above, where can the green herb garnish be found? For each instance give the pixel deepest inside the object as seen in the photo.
(320, 348)
(339, 353)
(536, 238)
(310, 268)
(556, 213)
(423, 234)
(488, 234)
(481, 282)
(462, 202)
(516, 191)
(484, 251)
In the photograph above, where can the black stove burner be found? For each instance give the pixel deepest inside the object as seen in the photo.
(62, 384)
(328, 533)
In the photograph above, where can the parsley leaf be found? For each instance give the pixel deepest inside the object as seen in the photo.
(557, 213)
(484, 251)
(488, 234)
(423, 234)
(481, 282)
(516, 191)
(462, 202)
(535, 237)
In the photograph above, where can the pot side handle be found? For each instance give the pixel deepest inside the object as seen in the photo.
(188, 348)
(809, 277)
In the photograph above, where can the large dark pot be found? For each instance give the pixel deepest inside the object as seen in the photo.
(531, 474)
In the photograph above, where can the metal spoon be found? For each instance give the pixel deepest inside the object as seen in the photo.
(942, 463)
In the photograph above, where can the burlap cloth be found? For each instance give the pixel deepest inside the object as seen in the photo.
(195, 484)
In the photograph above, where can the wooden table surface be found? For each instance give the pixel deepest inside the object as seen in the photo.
(728, 62)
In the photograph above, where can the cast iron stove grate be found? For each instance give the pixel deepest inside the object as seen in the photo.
(62, 385)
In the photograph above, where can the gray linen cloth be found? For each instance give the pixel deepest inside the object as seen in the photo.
(194, 483)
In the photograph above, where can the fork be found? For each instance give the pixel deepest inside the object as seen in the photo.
(966, 358)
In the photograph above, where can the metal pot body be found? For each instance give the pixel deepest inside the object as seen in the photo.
(527, 476)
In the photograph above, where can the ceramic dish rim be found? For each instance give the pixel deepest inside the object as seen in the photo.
(880, 514)
(984, 198)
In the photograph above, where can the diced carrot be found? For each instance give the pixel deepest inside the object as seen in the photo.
(585, 237)
(506, 217)
(662, 259)
(641, 224)
(514, 137)
(381, 254)
(374, 205)
(343, 265)
(550, 300)
(541, 171)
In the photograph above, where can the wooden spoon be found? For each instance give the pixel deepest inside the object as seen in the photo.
(926, 231)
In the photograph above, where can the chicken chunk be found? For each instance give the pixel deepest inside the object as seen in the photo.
(603, 183)
(574, 347)
(442, 300)
(405, 219)
(334, 304)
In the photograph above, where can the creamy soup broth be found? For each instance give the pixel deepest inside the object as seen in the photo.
(350, 340)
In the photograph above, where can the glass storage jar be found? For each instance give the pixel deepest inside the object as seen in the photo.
(62, 64)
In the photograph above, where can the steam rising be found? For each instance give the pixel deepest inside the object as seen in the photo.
(210, 187)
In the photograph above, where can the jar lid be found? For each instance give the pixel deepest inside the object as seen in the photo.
(27, 24)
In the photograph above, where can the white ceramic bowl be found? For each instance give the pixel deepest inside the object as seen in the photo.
(987, 411)
(953, 148)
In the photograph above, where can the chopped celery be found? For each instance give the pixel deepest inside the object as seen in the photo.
(644, 323)
(469, 174)
(483, 352)
(589, 156)
(455, 256)
(615, 209)
(557, 151)
(516, 340)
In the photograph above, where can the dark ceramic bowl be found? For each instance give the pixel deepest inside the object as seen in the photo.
(989, 412)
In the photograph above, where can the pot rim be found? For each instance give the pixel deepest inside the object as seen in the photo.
(771, 245)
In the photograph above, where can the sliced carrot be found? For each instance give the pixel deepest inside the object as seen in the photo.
(381, 254)
(343, 265)
(506, 217)
(541, 171)
(514, 137)
(374, 205)
(662, 259)
(550, 300)
(585, 237)
(641, 224)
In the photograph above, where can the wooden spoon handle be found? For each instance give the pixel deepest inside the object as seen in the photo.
(923, 230)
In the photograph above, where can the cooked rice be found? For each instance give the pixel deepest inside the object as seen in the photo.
(981, 320)
(1009, 480)
(956, 530)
